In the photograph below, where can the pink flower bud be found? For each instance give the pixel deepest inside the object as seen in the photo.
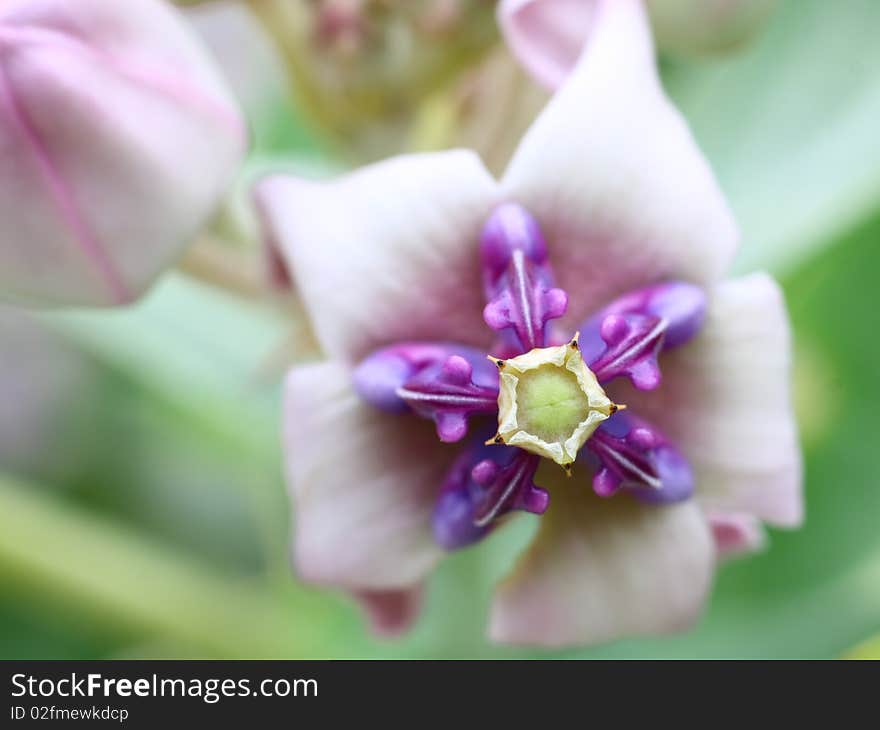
(117, 139)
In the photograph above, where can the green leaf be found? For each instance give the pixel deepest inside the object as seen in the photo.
(791, 128)
(122, 584)
(196, 348)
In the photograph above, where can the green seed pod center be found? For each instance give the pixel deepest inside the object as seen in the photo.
(550, 402)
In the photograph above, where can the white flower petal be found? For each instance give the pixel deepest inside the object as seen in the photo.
(387, 253)
(546, 36)
(603, 569)
(614, 176)
(725, 403)
(363, 484)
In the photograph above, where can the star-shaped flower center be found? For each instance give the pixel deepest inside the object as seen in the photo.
(549, 402)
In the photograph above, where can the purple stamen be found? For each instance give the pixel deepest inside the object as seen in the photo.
(680, 306)
(453, 517)
(630, 453)
(508, 487)
(483, 484)
(518, 279)
(447, 393)
(448, 383)
(444, 382)
(632, 342)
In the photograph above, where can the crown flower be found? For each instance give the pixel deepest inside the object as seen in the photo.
(560, 342)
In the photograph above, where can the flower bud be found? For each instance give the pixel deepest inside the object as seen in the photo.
(698, 27)
(118, 139)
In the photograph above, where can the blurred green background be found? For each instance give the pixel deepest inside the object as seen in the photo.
(142, 510)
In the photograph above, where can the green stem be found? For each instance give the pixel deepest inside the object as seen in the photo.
(72, 561)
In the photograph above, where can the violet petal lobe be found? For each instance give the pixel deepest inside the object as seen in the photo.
(726, 404)
(632, 343)
(453, 518)
(624, 337)
(441, 381)
(483, 484)
(507, 487)
(630, 454)
(517, 277)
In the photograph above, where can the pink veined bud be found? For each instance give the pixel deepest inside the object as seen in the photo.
(117, 140)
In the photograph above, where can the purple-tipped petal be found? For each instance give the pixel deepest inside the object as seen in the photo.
(517, 277)
(630, 453)
(483, 484)
(443, 381)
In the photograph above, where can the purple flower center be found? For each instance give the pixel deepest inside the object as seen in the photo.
(453, 384)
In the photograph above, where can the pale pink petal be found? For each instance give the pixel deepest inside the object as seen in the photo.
(363, 485)
(118, 139)
(393, 612)
(736, 534)
(546, 36)
(602, 569)
(725, 402)
(387, 253)
(613, 174)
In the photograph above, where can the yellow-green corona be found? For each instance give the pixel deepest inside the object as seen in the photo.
(550, 402)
